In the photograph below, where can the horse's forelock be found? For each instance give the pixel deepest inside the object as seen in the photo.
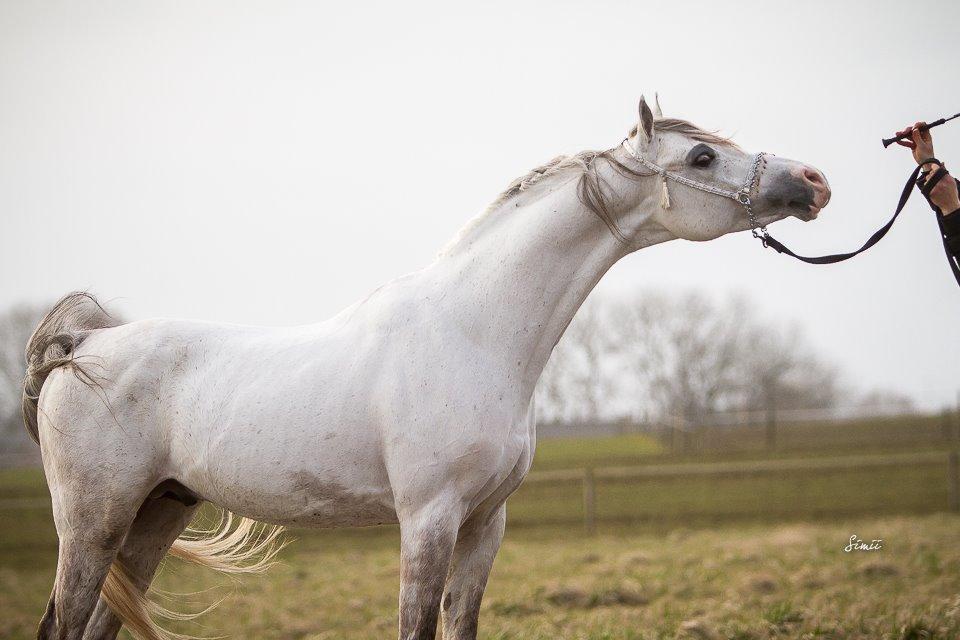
(686, 128)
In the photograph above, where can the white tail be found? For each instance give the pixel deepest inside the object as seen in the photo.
(250, 547)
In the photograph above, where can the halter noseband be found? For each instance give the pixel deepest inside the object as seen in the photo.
(742, 195)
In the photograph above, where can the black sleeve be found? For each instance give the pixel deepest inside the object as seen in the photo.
(949, 224)
(950, 228)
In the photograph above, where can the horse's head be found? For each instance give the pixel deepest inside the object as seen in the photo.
(692, 162)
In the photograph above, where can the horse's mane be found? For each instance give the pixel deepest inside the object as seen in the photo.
(590, 187)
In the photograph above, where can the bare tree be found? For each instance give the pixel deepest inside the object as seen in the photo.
(782, 372)
(685, 351)
(16, 325)
(554, 396)
(656, 355)
(575, 385)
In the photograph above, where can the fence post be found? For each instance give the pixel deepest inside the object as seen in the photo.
(589, 501)
(956, 420)
(953, 481)
(681, 439)
(771, 427)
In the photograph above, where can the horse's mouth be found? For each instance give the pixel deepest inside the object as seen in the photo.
(813, 197)
(809, 212)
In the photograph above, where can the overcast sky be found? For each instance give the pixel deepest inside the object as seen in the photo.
(272, 162)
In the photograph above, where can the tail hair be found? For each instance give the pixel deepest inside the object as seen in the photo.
(249, 547)
(53, 344)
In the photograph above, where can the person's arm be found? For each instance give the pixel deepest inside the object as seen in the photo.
(944, 198)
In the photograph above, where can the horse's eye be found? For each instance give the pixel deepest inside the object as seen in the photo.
(701, 156)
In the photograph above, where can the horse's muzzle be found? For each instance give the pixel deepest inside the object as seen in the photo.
(798, 187)
(815, 181)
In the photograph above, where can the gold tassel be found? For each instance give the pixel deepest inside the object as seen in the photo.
(664, 193)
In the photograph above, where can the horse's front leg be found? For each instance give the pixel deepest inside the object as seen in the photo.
(477, 546)
(427, 538)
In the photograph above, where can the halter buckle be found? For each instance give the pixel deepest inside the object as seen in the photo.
(743, 197)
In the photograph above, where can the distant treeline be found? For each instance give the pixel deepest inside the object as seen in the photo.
(655, 357)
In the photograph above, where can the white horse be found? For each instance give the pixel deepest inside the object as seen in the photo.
(413, 406)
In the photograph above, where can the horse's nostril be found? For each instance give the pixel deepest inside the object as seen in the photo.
(813, 176)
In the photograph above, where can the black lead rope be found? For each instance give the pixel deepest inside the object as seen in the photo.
(779, 247)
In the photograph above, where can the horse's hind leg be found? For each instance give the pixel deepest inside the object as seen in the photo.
(88, 545)
(157, 525)
(97, 483)
(477, 544)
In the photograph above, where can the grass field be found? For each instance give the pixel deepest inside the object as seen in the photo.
(786, 581)
(733, 557)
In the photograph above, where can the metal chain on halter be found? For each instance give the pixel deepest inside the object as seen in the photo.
(743, 197)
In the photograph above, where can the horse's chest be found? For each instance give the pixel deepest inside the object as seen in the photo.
(506, 477)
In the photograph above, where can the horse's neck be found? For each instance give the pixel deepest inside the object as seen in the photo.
(518, 276)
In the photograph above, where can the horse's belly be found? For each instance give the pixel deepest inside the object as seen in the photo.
(314, 478)
(305, 498)
(316, 502)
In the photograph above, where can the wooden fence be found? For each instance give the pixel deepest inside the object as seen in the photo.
(589, 477)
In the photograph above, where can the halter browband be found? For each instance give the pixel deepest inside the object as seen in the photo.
(741, 195)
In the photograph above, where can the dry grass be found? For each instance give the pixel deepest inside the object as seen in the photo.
(785, 581)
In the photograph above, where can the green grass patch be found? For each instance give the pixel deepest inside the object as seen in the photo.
(575, 453)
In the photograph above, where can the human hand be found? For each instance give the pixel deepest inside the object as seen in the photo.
(920, 142)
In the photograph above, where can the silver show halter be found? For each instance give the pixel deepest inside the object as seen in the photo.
(742, 195)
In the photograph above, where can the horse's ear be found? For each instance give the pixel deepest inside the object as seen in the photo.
(657, 111)
(645, 127)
